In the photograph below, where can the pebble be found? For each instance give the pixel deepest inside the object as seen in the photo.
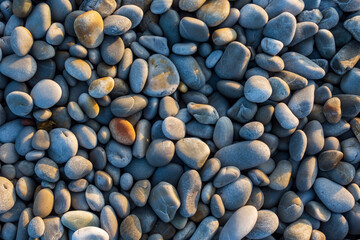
(253, 16)
(337, 221)
(269, 63)
(285, 117)
(43, 203)
(78, 68)
(246, 217)
(132, 12)
(20, 69)
(206, 229)
(46, 93)
(8, 195)
(85, 135)
(39, 20)
(302, 101)
(36, 227)
(256, 153)
(266, 224)
(225, 176)
(290, 207)
(21, 41)
(197, 27)
(257, 89)
(94, 198)
(138, 75)
(204, 114)
(192, 151)
(281, 28)
(47, 170)
(300, 229)
(20, 103)
(300, 64)
(77, 167)
(89, 29)
(116, 25)
(122, 131)
(164, 201)
(160, 6)
(90, 233)
(280, 177)
(189, 188)
(128, 105)
(101, 87)
(190, 6)
(78, 219)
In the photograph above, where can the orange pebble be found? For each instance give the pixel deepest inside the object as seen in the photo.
(122, 131)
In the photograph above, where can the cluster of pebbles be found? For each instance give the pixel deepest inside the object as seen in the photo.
(184, 119)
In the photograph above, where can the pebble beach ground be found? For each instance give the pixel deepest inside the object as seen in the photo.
(179, 119)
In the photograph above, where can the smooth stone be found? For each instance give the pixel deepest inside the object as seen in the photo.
(156, 44)
(233, 62)
(140, 192)
(190, 5)
(122, 131)
(237, 193)
(290, 207)
(257, 89)
(304, 30)
(213, 13)
(53, 228)
(160, 6)
(164, 200)
(285, 116)
(160, 152)
(189, 71)
(118, 155)
(63, 145)
(20, 69)
(189, 188)
(352, 25)
(269, 62)
(335, 197)
(306, 174)
(116, 25)
(275, 8)
(78, 68)
(318, 211)
(132, 12)
(104, 7)
(302, 101)
(281, 89)
(55, 34)
(130, 228)
(338, 222)
(297, 145)
(271, 46)
(170, 173)
(281, 28)
(193, 29)
(41, 50)
(85, 135)
(21, 8)
(300, 229)
(315, 137)
(112, 50)
(252, 16)
(47, 170)
(109, 222)
(120, 204)
(173, 128)
(90, 233)
(302, 65)
(280, 177)
(8, 195)
(325, 43)
(36, 227)
(138, 75)
(348, 82)
(46, 93)
(266, 224)
(206, 229)
(346, 58)
(204, 114)
(88, 105)
(21, 41)
(225, 176)
(246, 217)
(244, 155)
(89, 28)
(10, 130)
(77, 167)
(78, 219)
(184, 48)
(252, 130)
(223, 132)
(39, 20)
(192, 151)
(294, 80)
(20, 103)
(101, 87)
(128, 105)
(94, 198)
(43, 203)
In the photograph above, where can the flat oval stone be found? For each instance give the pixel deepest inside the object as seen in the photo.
(21, 8)
(257, 89)
(302, 65)
(77, 167)
(128, 105)
(47, 170)
(290, 207)
(21, 41)
(116, 25)
(233, 62)
(297, 145)
(315, 137)
(78, 219)
(164, 200)
(85, 135)
(285, 117)
(189, 188)
(78, 68)
(63, 145)
(43, 203)
(318, 211)
(281, 27)
(90, 233)
(300, 229)
(244, 155)
(271, 46)
(163, 78)
(245, 217)
(160, 6)
(140, 192)
(213, 12)
(280, 177)
(94, 198)
(346, 58)
(160, 152)
(192, 151)
(138, 75)
(7, 196)
(155, 43)
(189, 71)
(193, 29)
(225, 176)
(120, 204)
(266, 224)
(173, 128)
(132, 12)
(130, 228)
(20, 69)
(101, 87)
(190, 5)
(122, 131)
(118, 155)
(237, 193)
(46, 93)
(252, 16)
(275, 8)
(302, 101)
(335, 197)
(203, 113)
(306, 174)
(89, 28)
(20, 103)
(39, 20)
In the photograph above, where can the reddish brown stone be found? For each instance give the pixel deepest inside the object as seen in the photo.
(122, 131)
